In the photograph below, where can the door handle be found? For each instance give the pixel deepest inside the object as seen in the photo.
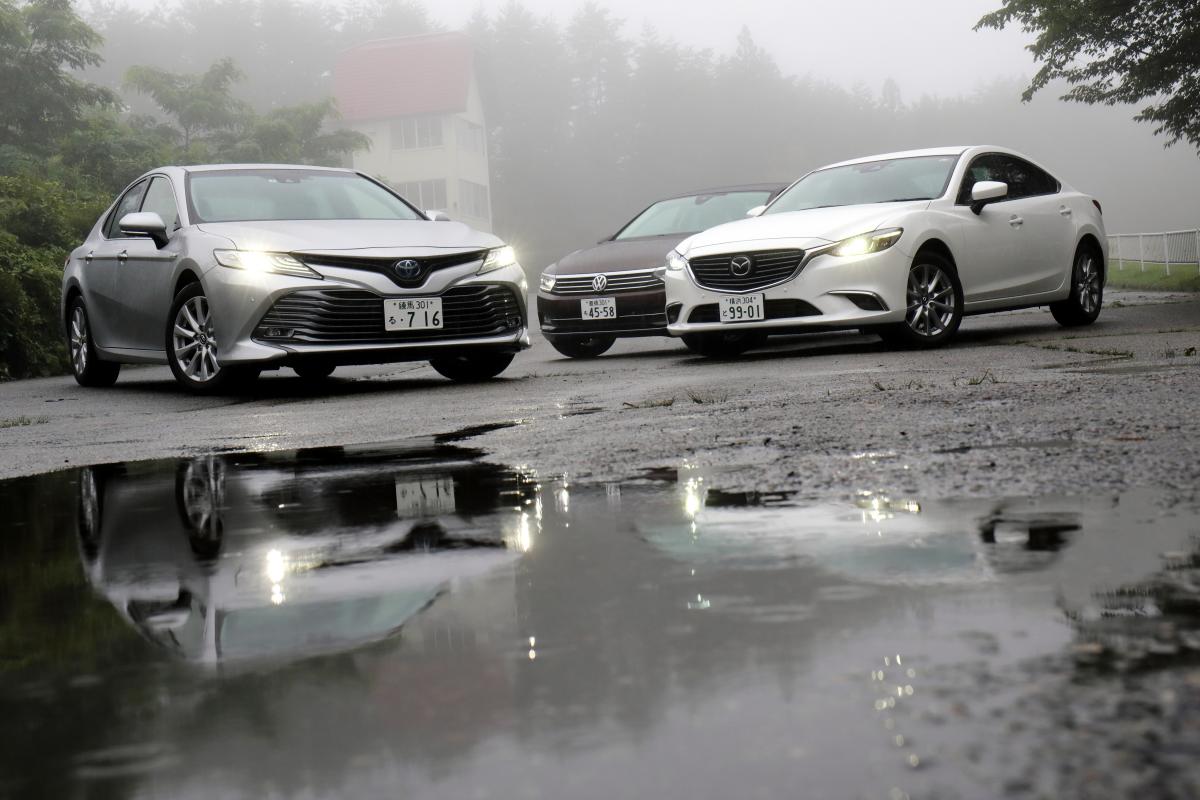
(1015, 221)
(1065, 211)
(88, 257)
(123, 256)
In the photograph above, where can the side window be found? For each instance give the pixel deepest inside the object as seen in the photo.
(989, 167)
(1026, 180)
(130, 202)
(161, 200)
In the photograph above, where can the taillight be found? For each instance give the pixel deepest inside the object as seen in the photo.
(1096, 203)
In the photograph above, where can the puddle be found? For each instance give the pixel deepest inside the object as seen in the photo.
(372, 621)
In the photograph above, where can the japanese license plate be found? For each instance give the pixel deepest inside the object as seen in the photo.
(416, 314)
(598, 308)
(743, 308)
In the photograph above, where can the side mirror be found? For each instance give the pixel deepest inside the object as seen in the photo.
(984, 192)
(145, 223)
(754, 212)
(437, 216)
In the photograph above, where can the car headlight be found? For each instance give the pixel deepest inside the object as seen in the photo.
(497, 258)
(257, 261)
(873, 242)
(675, 261)
(547, 282)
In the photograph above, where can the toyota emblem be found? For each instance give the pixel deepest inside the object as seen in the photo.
(599, 283)
(740, 266)
(407, 268)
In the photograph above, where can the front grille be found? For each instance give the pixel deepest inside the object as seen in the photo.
(782, 308)
(426, 265)
(351, 316)
(617, 282)
(768, 268)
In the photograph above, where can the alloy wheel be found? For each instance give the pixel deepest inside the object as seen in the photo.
(79, 340)
(1087, 283)
(931, 300)
(194, 342)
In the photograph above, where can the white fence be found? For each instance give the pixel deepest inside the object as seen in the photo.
(1180, 249)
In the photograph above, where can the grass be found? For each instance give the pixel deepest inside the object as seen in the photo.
(1183, 277)
(707, 398)
(984, 377)
(21, 422)
(882, 387)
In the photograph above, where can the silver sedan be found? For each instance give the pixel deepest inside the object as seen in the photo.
(223, 271)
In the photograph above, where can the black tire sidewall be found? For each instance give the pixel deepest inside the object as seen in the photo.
(902, 333)
(583, 346)
(97, 373)
(472, 367)
(228, 375)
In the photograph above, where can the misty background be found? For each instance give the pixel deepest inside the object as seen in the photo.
(595, 110)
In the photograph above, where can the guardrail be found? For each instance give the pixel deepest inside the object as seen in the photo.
(1179, 249)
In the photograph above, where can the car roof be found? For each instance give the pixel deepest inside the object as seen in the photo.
(224, 167)
(741, 187)
(956, 150)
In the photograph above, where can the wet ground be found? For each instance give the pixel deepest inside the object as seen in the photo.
(420, 620)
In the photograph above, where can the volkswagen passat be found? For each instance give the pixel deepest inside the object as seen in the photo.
(596, 295)
(902, 245)
(223, 271)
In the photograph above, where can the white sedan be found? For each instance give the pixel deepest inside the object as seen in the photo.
(902, 245)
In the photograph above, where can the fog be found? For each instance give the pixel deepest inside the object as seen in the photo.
(593, 111)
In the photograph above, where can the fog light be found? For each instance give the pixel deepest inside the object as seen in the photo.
(512, 323)
(279, 333)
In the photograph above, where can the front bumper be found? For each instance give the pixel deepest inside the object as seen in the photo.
(639, 313)
(828, 292)
(278, 320)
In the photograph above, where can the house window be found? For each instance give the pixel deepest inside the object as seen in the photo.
(412, 133)
(425, 195)
(470, 137)
(473, 200)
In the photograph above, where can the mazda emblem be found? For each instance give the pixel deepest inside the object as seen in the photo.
(740, 266)
(407, 268)
(599, 283)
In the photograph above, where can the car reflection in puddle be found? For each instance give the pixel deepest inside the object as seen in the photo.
(224, 558)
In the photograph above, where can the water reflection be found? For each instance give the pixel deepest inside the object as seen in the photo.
(222, 558)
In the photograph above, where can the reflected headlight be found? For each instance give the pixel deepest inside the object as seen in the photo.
(547, 282)
(872, 242)
(256, 261)
(500, 257)
(675, 261)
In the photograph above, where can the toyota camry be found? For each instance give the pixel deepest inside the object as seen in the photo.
(224, 271)
(902, 245)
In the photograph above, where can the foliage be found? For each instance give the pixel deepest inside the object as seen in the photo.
(43, 44)
(199, 104)
(291, 135)
(1117, 52)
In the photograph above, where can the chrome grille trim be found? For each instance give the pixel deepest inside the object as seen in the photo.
(630, 281)
(771, 268)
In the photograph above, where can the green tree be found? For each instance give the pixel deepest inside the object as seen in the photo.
(43, 44)
(199, 104)
(1115, 51)
(293, 135)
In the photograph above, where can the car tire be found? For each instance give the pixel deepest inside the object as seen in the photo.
(1082, 306)
(200, 501)
(314, 372)
(723, 345)
(472, 367)
(189, 328)
(86, 365)
(934, 304)
(581, 346)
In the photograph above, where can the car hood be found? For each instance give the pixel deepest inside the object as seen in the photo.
(618, 255)
(353, 237)
(826, 224)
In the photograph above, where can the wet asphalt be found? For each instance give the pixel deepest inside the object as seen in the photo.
(821, 570)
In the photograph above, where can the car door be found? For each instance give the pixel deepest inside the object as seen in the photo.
(990, 240)
(144, 273)
(107, 311)
(1045, 248)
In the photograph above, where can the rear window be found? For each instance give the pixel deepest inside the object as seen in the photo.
(246, 195)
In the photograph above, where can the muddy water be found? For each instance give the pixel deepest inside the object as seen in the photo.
(414, 622)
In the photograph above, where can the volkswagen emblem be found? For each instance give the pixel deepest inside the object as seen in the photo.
(407, 269)
(599, 283)
(740, 266)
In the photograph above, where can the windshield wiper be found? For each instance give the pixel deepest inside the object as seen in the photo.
(903, 199)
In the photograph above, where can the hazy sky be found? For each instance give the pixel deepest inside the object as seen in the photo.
(927, 46)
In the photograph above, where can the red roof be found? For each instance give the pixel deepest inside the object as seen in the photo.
(400, 77)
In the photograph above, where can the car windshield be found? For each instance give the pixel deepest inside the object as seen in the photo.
(692, 214)
(246, 195)
(888, 181)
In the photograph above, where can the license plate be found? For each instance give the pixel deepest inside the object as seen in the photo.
(598, 308)
(419, 313)
(743, 308)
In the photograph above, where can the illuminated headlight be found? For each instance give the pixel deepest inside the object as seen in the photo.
(256, 261)
(873, 242)
(500, 257)
(676, 262)
(547, 282)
